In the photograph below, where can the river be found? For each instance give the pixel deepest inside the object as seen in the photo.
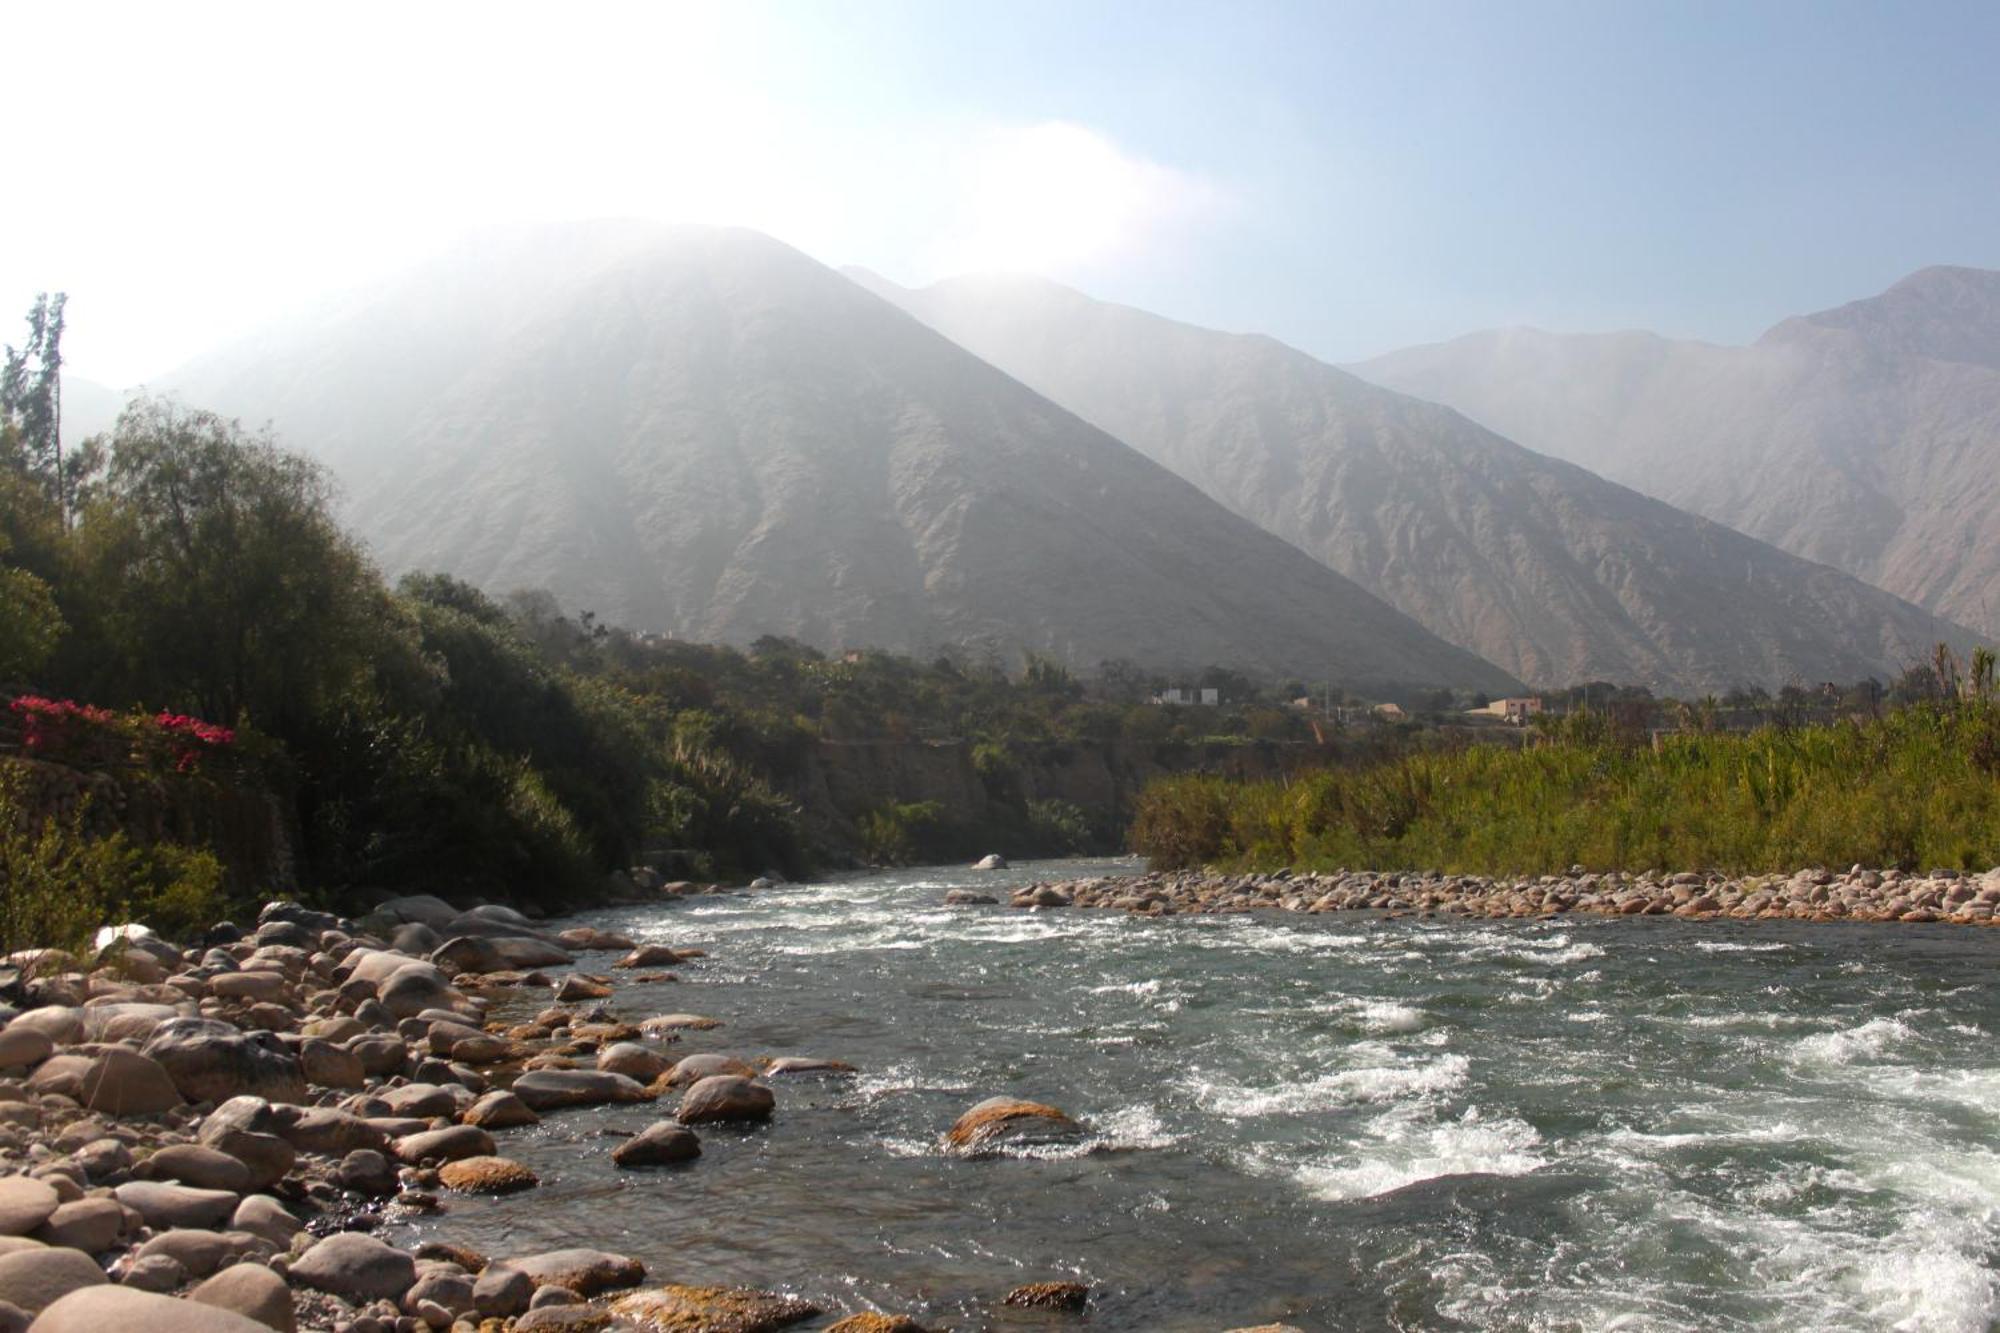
(1341, 1122)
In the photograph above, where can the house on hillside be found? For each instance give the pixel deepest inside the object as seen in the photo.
(1202, 698)
(1389, 712)
(1516, 711)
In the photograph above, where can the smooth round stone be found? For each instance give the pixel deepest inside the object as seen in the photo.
(36, 1279)
(25, 1204)
(662, 1143)
(252, 1291)
(726, 1098)
(117, 1309)
(356, 1268)
(164, 1206)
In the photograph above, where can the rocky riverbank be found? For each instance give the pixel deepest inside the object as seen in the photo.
(1810, 895)
(206, 1137)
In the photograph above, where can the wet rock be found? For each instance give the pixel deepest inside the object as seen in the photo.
(118, 1309)
(584, 1271)
(164, 1206)
(487, 1175)
(1049, 1296)
(694, 1068)
(662, 1143)
(252, 1291)
(639, 1063)
(649, 955)
(355, 1268)
(332, 1132)
(999, 1121)
(563, 1319)
(721, 1309)
(992, 861)
(37, 1279)
(25, 1204)
(799, 1064)
(663, 1023)
(547, 1089)
(575, 987)
(724, 1098)
(592, 939)
(210, 1061)
(968, 898)
(876, 1323)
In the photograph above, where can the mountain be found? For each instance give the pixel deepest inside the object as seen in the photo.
(704, 432)
(1867, 437)
(1536, 564)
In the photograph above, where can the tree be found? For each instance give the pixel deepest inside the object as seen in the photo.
(223, 582)
(31, 400)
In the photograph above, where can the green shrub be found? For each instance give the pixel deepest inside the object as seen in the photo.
(1917, 788)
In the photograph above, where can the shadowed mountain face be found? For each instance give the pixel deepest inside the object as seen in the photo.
(704, 432)
(1554, 573)
(1867, 437)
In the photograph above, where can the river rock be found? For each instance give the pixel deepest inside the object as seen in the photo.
(725, 1098)
(155, 1272)
(694, 1068)
(584, 1271)
(649, 955)
(590, 939)
(23, 1046)
(25, 1203)
(192, 1164)
(247, 1128)
(62, 1024)
(738, 1309)
(413, 988)
(502, 1291)
(500, 1109)
(163, 1205)
(326, 1065)
(991, 861)
(660, 1023)
(969, 898)
(119, 1309)
(448, 1144)
(366, 1171)
(92, 1225)
(262, 1215)
(252, 1291)
(662, 1143)
(36, 1279)
(1049, 1296)
(487, 1175)
(332, 1132)
(210, 1061)
(870, 1322)
(546, 1089)
(356, 1268)
(197, 1251)
(800, 1064)
(1009, 1120)
(639, 1063)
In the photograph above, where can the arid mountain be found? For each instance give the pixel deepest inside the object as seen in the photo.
(704, 432)
(1867, 437)
(1556, 574)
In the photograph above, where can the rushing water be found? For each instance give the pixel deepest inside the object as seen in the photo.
(1341, 1122)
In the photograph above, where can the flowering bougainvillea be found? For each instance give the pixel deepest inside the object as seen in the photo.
(70, 732)
(193, 737)
(48, 722)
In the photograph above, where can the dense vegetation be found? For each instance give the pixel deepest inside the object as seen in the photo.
(1915, 785)
(179, 607)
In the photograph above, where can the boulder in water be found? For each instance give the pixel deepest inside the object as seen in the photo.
(991, 861)
(1001, 1121)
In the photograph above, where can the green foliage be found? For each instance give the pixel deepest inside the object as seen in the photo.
(58, 882)
(30, 623)
(1916, 788)
(1059, 828)
(903, 833)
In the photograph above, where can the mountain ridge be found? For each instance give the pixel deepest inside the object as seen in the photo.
(1555, 573)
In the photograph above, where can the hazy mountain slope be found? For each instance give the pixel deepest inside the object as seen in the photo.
(705, 432)
(88, 408)
(1540, 566)
(1867, 437)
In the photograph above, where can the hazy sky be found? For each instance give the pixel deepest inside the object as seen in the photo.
(1348, 177)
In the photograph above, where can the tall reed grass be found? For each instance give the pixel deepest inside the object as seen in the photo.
(1918, 788)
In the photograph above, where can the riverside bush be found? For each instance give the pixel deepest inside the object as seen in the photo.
(1918, 788)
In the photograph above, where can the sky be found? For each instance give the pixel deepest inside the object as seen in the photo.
(1349, 177)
